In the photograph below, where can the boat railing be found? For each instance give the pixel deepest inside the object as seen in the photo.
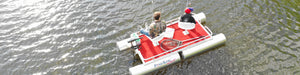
(153, 57)
(175, 21)
(208, 30)
(172, 21)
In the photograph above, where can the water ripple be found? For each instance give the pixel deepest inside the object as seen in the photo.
(78, 36)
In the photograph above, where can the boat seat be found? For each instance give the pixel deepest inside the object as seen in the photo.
(169, 32)
(186, 26)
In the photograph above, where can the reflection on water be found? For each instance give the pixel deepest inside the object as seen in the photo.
(78, 36)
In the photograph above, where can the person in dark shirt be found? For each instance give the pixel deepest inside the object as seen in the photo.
(187, 17)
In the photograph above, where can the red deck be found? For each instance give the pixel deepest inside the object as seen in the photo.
(148, 50)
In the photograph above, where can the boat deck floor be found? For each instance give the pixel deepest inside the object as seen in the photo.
(148, 50)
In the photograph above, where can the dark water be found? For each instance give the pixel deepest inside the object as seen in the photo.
(78, 36)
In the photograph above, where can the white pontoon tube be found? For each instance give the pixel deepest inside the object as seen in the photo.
(174, 57)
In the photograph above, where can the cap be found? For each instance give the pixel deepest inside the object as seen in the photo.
(187, 11)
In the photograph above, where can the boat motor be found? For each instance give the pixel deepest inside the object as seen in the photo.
(135, 43)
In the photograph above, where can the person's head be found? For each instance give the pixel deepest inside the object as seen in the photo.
(156, 15)
(188, 10)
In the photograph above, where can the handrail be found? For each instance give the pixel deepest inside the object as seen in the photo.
(208, 30)
(171, 20)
